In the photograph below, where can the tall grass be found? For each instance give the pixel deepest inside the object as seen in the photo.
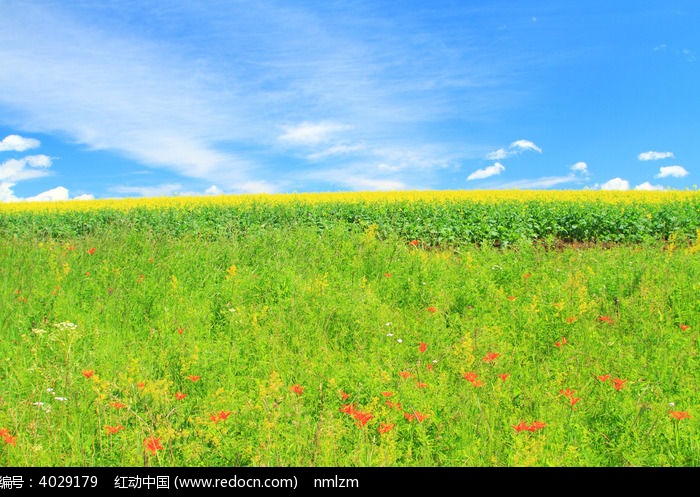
(290, 345)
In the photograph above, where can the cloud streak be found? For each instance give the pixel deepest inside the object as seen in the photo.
(487, 172)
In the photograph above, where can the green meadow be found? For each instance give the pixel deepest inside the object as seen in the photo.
(344, 343)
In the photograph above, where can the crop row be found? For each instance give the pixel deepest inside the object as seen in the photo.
(433, 222)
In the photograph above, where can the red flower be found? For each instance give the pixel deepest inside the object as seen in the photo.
(619, 384)
(432, 309)
(193, 377)
(684, 327)
(526, 275)
(111, 430)
(491, 356)
(679, 415)
(534, 426)
(344, 396)
(297, 389)
(571, 319)
(605, 319)
(421, 384)
(414, 243)
(574, 400)
(7, 437)
(511, 297)
(87, 373)
(417, 415)
(91, 250)
(141, 385)
(348, 408)
(470, 376)
(405, 375)
(180, 395)
(537, 425)
(387, 275)
(362, 417)
(220, 416)
(387, 394)
(152, 445)
(603, 377)
(560, 343)
(422, 347)
(568, 392)
(180, 331)
(385, 427)
(504, 376)
(118, 405)
(393, 405)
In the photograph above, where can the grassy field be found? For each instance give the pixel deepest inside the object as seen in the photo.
(339, 332)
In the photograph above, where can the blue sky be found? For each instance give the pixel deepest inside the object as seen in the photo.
(121, 98)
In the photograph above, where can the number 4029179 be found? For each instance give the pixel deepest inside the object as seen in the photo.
(68, 481)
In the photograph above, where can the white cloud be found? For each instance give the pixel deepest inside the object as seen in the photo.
(311, 133)
(32, 166)
(336, 150)
(497, 168)
(54, 194)
(616, 184)
(515, 148)
(213, 190)
(580, 167)
(58, 193)
(673, 171)
(17, 143)
(652, 155)
(649, 187)
(525, 145)
(499, 154)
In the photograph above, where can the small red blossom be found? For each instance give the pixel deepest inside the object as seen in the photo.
(219, 416)
(385, 427)
(567, 392)
(393, 405)
(297, 389)
(405, 375)
(180, 331)
(193, 377)
(152, 445)
(432, 309)
(421, 384)
(605, 319)
(414, 243)
(344, 395)
(527, 275)
(387, 394)
(560, 343)
(387, 275)
(679, 415)
(504, 376)
(570, 319)
(430, 367)
(511, 297)
(619, 383)
(417, 415)
(111, 430)
(180, 395)
(141, 385)
(422, 347)
(603, 377)
(534, 426)
(490, 357)
(7, 437)
(87, 373)
(348, 408)
(684, 327)
(362, 417)
(91, 250)
(574, 400)
(118, 405)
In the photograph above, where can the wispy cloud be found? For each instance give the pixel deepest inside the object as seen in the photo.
(487, 172)
(672, 171)
(580, 168)
(311, 133)
(29, 167)
(515, 148)
(17, 143)
(653, 155)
